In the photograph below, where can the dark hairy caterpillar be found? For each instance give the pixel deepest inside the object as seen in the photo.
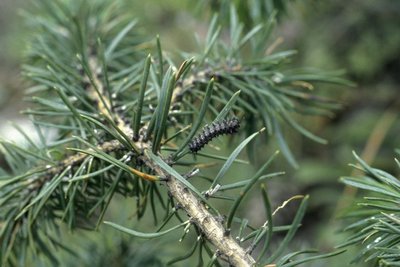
(226, 126)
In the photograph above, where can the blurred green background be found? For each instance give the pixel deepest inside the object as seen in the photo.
(359, 36)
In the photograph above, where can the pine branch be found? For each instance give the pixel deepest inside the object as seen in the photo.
(375, 223)
(89, 93)
(210, 227)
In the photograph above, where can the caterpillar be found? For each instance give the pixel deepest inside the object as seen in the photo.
(226, 126)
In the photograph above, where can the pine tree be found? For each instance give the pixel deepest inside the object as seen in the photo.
(131, 121)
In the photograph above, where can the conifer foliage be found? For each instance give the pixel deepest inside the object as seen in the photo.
(125, 117)
(375, 223)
